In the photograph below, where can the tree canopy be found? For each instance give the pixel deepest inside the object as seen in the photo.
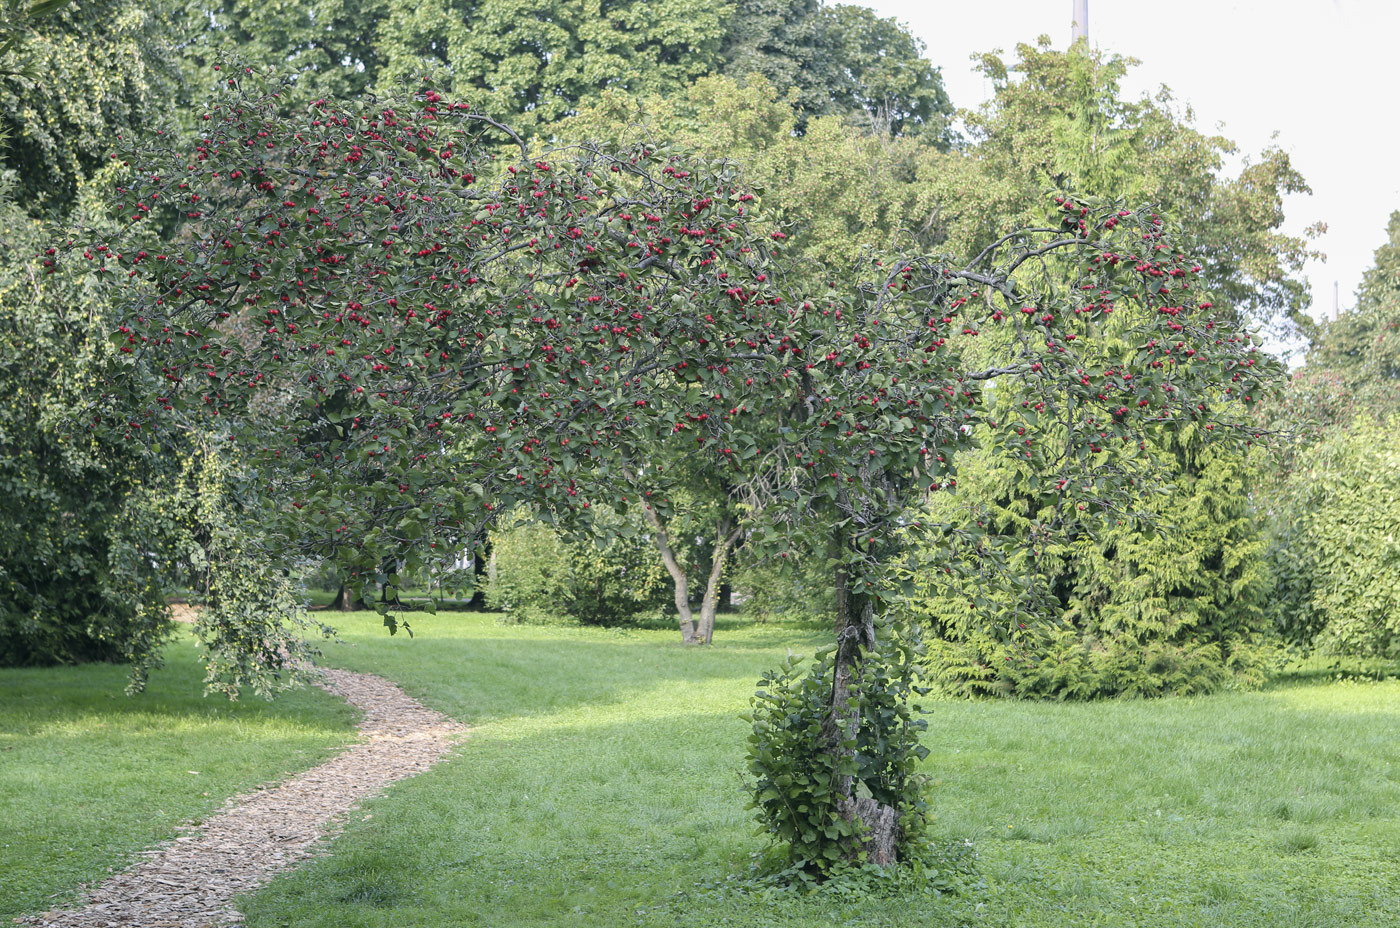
(409, 338)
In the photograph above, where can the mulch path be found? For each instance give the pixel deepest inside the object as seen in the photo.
(191, 881)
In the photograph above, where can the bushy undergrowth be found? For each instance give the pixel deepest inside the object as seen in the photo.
(1336, 549)
(537, 574)
(798, 764)
(799, 591)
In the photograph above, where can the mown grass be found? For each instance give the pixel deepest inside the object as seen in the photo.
(89, 776)
(602, 786)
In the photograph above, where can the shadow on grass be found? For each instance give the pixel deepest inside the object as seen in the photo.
(42, 696)
(1316, 671)
(476, 670)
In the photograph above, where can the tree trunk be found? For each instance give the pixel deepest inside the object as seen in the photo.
(662, 541)
(855, 637)
(480, 575)
(843, 600)
(344, 601)
(724, 540)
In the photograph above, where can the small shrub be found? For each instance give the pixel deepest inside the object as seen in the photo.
(531, 573)
(797, 768)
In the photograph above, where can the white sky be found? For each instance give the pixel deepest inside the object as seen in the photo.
(1319, 73)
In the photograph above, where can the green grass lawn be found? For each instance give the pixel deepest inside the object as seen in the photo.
(602, 786)
(89, 776)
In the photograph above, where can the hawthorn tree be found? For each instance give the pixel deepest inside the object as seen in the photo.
(404, 337)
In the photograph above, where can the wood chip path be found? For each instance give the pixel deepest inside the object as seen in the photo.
(191, 881)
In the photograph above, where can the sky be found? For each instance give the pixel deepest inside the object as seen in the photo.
(1314, 77)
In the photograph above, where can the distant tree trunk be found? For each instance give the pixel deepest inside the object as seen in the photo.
(662, 540)
(344, 600)
(481, 575)
(855, 636)
(725, 536)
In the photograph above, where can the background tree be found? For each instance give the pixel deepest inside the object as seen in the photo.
(1331, 497)
(1362, 346)
(1175, 606)
(607, 576)
(842, 191)
(79, 519)
(1060, 117)
(86, 530)
(841, 60)
(96, 71)
(326, 47)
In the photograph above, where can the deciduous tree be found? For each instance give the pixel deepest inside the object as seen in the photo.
(405, 337)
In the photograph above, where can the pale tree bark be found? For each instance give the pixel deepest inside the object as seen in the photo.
(703, 631)
(725, 536)
(662, 540)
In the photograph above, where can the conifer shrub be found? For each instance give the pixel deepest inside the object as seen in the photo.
(1176, 605)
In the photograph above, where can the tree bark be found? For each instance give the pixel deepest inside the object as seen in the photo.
(841, 581)
(856, 637)
(724, 540)
(343, 601)
(662, 540)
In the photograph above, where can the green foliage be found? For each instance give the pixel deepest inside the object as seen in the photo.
(254, 628)
(780, 591)
(840, 60)
(1173, 605)
(16, 19)
(798, 760)
(609, 579)
(841, 190)
(531, 62)
(95, 71)
(326, 47)
(79, 520)
(1332, 498)
(530, 575)
(1362, 347)
(1336, 546)
(526, 62)
(1063, 120)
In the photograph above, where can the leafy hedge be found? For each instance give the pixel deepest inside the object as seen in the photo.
(1336, 544)
(79, 520)
(537, 574)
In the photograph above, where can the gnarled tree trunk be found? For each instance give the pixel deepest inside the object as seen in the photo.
(726, 535)
(854, 638)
